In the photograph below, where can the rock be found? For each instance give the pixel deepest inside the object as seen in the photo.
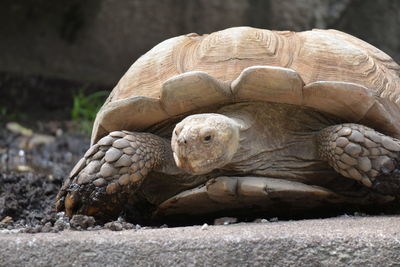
(118, 226)
(82, 221)
(114, 226)
(47, 228)
(6, 219)
(61, 224)
(17, 128)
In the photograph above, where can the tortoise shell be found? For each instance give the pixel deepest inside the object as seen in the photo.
(327, 70)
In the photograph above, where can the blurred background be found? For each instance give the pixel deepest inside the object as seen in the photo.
(56, 52)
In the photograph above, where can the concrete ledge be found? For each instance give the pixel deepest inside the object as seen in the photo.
(343, 241)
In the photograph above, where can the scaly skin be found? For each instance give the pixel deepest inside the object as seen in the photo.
(363, 154)
(111, 171)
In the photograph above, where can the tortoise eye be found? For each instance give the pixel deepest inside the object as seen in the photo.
(207, 138)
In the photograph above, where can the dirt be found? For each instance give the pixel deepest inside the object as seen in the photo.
(31, 174)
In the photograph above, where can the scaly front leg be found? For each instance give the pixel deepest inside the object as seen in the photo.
(111, 171)
(363, 154)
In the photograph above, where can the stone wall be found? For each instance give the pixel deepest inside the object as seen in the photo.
(97, 40)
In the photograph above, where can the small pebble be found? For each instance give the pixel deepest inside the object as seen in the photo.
(114, 226)
(259, 220)
(61, 224)
(225, 220)
(47, 228)
(82, 221)
(204, 227)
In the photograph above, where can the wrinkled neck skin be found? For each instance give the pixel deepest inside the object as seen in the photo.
(277, 140)
(167, 163)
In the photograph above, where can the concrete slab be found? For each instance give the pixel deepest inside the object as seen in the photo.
(344, 241)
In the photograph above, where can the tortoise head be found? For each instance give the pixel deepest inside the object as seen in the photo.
(204, 142)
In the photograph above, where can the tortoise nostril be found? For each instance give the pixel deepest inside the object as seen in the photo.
(182, 140)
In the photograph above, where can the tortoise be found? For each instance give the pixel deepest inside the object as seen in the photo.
(243, 121)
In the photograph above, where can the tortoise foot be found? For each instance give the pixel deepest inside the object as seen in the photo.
(109, 173)
(363, 154)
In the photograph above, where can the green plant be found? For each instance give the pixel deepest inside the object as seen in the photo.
(85, 108)
(3, 111)
(6, 115)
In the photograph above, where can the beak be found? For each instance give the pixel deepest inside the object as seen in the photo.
(182, 163)
(177, 161)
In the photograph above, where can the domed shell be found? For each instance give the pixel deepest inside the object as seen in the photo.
(323, 69)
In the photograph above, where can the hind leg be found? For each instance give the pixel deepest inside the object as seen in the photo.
(363, 154)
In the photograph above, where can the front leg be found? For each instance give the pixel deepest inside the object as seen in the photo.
(111, 171)
(363, 154)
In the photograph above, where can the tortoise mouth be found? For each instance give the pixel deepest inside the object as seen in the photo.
(183, 163)
(197, 167)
